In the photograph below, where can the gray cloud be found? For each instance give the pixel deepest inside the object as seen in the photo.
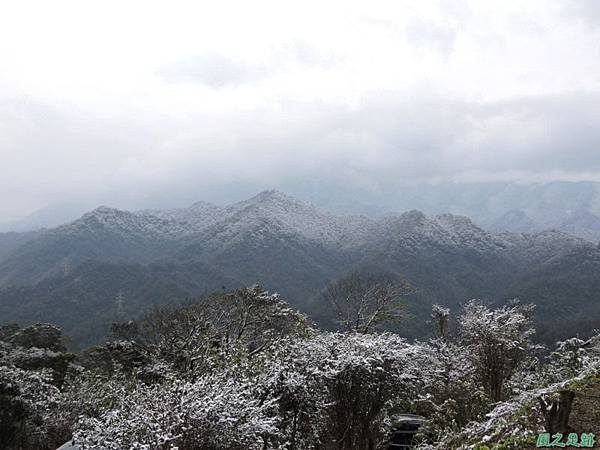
(368, 100)
(387, 139)
(587, 11)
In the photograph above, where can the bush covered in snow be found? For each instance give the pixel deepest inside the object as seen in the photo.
(242, 370)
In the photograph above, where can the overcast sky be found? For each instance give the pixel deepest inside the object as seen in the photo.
(126, 101)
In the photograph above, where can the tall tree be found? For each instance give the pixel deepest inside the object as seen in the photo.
(498, 342)
(363, 302)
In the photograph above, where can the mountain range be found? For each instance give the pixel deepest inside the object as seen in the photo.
(568, 206)
(573, 207)
(111, 265)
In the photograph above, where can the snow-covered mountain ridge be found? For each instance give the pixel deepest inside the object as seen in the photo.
(103, 219)
(280, 214)
(288, 213)
(291, 247)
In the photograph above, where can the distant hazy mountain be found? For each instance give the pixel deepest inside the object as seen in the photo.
(582, 223)
(573, 207)
(48, 217)
(73, 273)
(515, 220)
(494, 206)
(198, 216)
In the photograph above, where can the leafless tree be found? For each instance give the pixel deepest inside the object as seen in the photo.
(248, 319)
(440, 317)
(363, 302)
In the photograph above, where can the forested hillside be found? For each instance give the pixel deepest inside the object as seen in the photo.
(110, 264)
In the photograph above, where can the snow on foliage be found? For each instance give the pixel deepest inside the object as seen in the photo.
(499, 342)
(210, 412)
(242, 370)
(28, 407)
(289, 398)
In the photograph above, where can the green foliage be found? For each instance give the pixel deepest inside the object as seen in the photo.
(515, 443)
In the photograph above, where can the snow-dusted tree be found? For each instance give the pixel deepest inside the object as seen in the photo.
(369, 379)
(363, 302)
(449, 394)
(341, 390)
(90, 393)
(299, 388)
(120, 355)
(569, 358)
(35, 347)
(253, 318)
(194, 336)
(212, 413)
(33, 365)
(294, 378)
(8, 330)
(40, 335)
(28, 412)
(497, 341)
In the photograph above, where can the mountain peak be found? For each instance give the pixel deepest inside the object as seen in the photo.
(282, 211)
(102, 209)
(582, 222)
(456, 220)
(104, 213)
(201, 204)
(125, 223)
(272, 200)
(582, 216)
(515, 221)
(272, 195)
(414, 214)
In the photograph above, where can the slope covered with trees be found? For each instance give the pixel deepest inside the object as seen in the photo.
(243, 370)
(73, 274)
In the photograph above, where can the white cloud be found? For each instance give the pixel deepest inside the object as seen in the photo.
(142, 96)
